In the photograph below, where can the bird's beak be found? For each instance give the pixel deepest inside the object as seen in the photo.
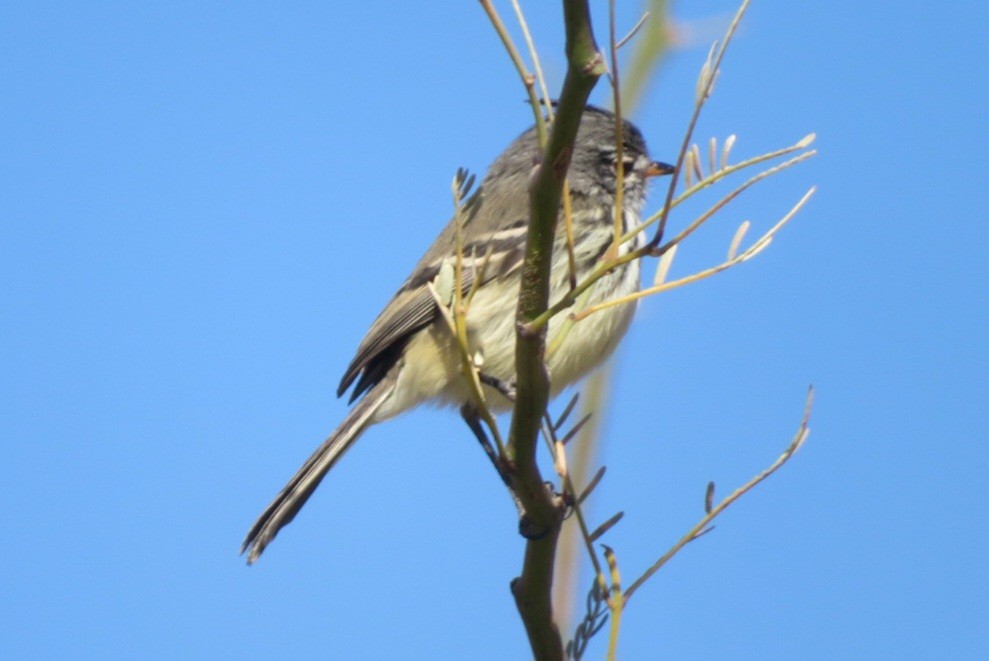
(657, 169)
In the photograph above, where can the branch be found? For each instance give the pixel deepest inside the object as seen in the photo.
(733, 260)
(532, 589)
(705, 84)
(652, 44)
(528, 80)
(571, 297)
(702, 526)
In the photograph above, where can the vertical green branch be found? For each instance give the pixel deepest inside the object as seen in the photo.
(532, 589)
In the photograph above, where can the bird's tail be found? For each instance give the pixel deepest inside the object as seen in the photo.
(294, 495)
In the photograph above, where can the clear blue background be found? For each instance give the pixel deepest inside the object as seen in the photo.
(203, 205)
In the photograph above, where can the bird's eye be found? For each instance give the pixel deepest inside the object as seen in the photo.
(627, 163)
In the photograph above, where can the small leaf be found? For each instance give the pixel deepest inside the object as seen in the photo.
(737, 239)
(591, 485)
(463, 182)
(709, 498)
(663, 268)
(566, 412)
(704, 82)
(605, 527)
(726, 150)
(698, 170)
(807, 141)
(444, 282)
(576, 429)
(702, 78)
(714, 80)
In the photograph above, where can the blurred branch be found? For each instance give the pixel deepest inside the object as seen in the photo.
(652, 44)
(543, 510)
(649, 38)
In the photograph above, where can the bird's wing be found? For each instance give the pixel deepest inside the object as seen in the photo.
(492, 247)
(411, 309)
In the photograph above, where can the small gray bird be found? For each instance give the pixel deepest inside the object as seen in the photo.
(409, 357)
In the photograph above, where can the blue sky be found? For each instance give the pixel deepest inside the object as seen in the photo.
(203, 206)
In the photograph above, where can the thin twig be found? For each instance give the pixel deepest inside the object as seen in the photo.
(752, 251)
(711, 72)
(553, 443)
(635, 29)
(568, 299)
(723, 202)
(457, 324)
(547, 104)
(534, 55)
(724, 172)
(616, 99)
(616, 603)
(702, 525)
(527, 79)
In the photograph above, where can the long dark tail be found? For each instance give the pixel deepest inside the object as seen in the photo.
(294, 495)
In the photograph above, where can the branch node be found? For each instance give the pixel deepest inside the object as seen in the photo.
(595, 67)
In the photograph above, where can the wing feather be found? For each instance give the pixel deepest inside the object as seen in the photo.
(486, 238)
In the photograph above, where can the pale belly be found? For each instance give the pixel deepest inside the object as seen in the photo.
(432, 367)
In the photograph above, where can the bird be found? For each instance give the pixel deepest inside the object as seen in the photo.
(409, 357)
